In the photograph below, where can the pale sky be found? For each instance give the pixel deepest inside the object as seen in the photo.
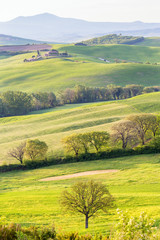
(91, 10)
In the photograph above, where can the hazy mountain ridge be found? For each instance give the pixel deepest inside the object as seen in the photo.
(48, 27)
(11, 40)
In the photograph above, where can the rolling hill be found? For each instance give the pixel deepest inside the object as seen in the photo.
(84, 67)
(113, 39)
(53, 124)
(122, 39)
(11, 40)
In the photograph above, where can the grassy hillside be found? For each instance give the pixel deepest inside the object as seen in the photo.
(83, 68)
(150, 41)
(123, 52)
(27, 201)
(113, 39)
(11, 40)
(52, 125)
(120, 39)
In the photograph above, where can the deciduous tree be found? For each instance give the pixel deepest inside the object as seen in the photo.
(124, 132)
(87, 198)
(98, 139)
(18, 152)
(142, 123)
(35, 149)
(72, 144)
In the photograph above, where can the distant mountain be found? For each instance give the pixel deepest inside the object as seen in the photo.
(48, 27)
(10, 40)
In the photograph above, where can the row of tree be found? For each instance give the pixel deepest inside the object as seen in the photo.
(132, 131)
(14, 103)
(82, 94)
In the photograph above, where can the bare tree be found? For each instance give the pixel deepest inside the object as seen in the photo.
(124, 132)
(87, 198)
(18, 152)
(142, 123)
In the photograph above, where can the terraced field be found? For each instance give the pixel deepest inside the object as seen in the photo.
(53, 124)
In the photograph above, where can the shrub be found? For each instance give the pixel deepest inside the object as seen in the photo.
(133, 228)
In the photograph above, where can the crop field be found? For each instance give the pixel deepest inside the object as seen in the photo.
(27, 201)
(27, 47)
(53, 124)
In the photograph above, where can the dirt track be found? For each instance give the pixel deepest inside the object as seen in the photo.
(81, 174)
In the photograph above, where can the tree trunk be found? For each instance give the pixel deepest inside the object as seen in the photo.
(86, 223)
(143, 141)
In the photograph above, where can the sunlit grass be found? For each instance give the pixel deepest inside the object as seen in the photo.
(27, 201)
(53, 124)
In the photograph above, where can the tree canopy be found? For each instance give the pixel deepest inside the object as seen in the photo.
(87, 198)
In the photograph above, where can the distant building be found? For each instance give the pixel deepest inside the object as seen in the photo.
(80, 44)
(53, 52)
(64, 54)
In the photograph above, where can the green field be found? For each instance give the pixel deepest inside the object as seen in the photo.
(53, 124)
(136, 188)
(122, 52)
(150, 41)
(83, 67)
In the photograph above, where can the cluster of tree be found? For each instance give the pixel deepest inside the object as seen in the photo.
(132, 131)
(113, 39)
(30, 150)
(83, 142)
(136, 129)
(82, 94)
(18, 103)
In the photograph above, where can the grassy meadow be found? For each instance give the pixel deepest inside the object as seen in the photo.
(54, 124)
(27, 201)
(130, 53)
(83, 67)
(136, 186)
(150, 41)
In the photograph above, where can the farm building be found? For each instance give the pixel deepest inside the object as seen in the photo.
(53, 52)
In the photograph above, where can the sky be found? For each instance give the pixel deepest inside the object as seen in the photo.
(90, 10)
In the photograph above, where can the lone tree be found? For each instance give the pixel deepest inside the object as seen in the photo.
(18, 152)
(87, 198)
(35, 149)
